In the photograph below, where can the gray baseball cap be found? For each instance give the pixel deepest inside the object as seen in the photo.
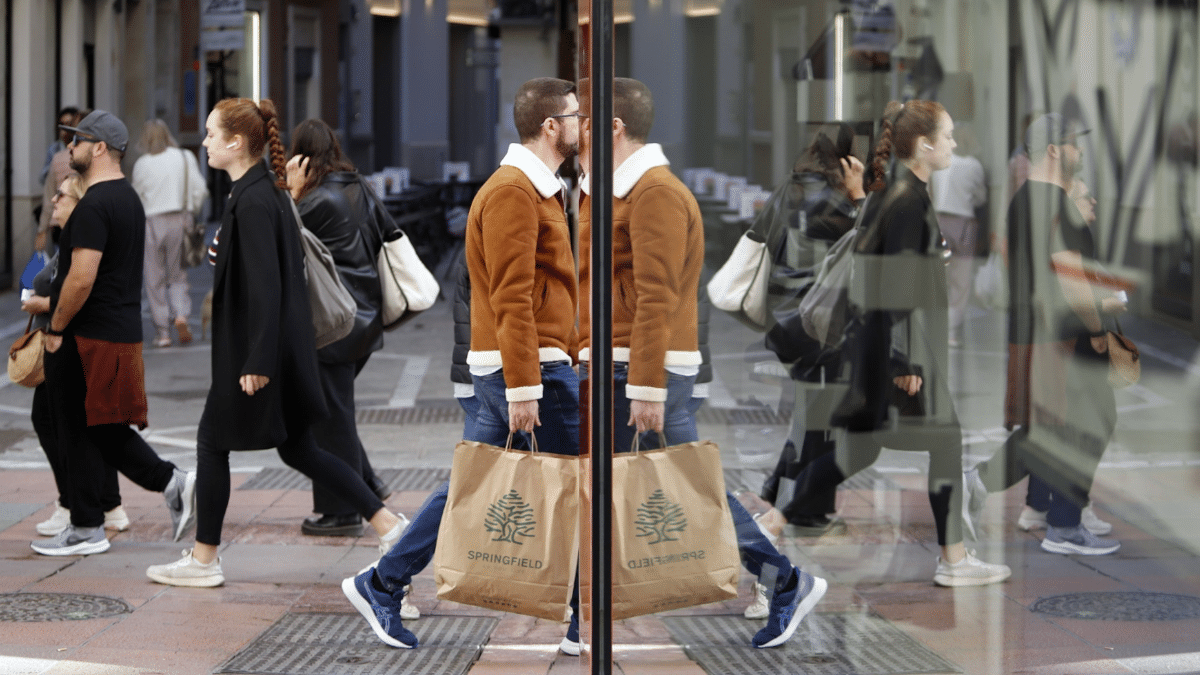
(102, 125)
(1052, 129)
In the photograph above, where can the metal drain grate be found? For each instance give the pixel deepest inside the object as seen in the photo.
(278, 478)
(31, 607)
(752, 479)
(747, 416)
(428, 411)
(343, 644)
(825, 644)
(1120, 606)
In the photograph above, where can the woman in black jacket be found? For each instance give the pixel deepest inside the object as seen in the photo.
(265, 390)
(334, 205)
(825, 192)
(898, 350)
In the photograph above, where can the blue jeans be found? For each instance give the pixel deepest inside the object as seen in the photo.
(559, 412)
(470, 406)
(759, 556)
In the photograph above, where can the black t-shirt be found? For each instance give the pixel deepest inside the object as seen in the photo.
(1042, 221)
(109, 219)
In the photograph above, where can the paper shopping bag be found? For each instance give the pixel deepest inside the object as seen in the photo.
(509, 538)
(673, 539)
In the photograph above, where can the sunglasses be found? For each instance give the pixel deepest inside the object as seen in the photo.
(76, 139)
(570, 114)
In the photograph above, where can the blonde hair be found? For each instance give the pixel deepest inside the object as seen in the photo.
(156, 137)
(74, 186)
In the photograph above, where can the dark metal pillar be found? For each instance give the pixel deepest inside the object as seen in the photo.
(601, 373)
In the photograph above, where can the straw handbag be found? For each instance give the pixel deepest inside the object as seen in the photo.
(25, 357)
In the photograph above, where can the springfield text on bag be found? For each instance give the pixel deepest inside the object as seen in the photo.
(504, 559)
(666, 559)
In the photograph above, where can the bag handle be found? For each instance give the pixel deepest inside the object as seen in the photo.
(533, 438)
(635, 447)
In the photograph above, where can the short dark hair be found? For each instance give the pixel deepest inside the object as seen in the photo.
(634, 105)
(68, 110)
(536, 100)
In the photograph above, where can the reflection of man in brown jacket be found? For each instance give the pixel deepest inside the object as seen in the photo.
(658, 251)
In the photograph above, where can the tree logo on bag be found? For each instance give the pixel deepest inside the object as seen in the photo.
(509, 518)
(658, 517)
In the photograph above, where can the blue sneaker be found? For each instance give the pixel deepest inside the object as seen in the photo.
(789, 607)
(570, 644)
(379, 609)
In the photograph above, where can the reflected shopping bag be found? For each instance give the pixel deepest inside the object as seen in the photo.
(509, 538)
(673, 539)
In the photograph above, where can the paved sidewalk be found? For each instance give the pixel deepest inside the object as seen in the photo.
(880, 567)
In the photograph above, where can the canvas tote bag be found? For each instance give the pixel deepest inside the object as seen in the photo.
(333, 308)
(509, 538)
(673, 539)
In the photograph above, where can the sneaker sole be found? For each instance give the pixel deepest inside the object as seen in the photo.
(806, 605)
(188, 582)
(82, 548)
(958, 582)
(188, 497)
(569, 648)
(1067, 548)
(364, 608)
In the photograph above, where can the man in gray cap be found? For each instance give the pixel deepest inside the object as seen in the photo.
(1058, 397)
(94, 369)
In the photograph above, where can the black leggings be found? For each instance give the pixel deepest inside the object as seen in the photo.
(857, 451)
(299, 451)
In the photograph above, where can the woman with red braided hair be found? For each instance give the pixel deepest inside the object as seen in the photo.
(265, 388)
(897, 348)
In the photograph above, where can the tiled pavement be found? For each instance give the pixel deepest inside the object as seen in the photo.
(882, 565)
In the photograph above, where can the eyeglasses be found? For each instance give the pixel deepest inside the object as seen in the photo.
(77, 139)
(576, 114)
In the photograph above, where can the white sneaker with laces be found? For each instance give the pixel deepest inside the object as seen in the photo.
(116, 519)
(970, 571)
(408, 611)
(189, 572)
(387, 541)
(760, 608)
(57, 522)
(1092, 522)
(1031, 519)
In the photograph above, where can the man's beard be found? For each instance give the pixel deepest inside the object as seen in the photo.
(81, 166)
(567, 150)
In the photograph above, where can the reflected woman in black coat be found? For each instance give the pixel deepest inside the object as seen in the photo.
(265, 390)
(825, 192)
(334, 205)
(897, 351)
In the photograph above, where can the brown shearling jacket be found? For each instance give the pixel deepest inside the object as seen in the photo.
(658, 253)
(523, 283)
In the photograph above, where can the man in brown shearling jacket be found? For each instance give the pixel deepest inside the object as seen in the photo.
(523, 298)
(658, 252)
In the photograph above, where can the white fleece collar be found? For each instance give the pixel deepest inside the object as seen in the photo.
(635, 166)
(543, 179)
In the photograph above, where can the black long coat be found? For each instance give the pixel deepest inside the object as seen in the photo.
(261, 322)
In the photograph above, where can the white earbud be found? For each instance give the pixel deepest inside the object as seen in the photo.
(927, 146)
(234, 145)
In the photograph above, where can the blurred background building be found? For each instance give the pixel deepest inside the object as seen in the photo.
(738, 84)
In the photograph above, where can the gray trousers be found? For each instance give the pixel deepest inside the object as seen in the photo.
(163, 273)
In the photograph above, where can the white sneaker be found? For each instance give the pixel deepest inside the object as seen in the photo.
(387, 541)
(116, 519)
(760, 608)
(1031, 519)
(970, 571)
(187, 571)
(1092, 522)
(57, 522)
(408, 611)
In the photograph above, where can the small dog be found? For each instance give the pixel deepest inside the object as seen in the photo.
(205, 315)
